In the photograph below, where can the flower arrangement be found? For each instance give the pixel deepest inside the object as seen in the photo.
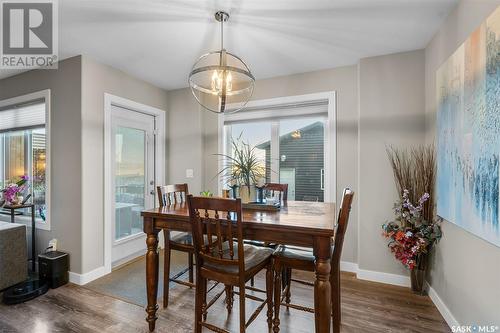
(12, 193)
(415, 229)
(410, 234)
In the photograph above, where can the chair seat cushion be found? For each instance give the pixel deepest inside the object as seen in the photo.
(184, 238)
(253, 256)
(295, 252)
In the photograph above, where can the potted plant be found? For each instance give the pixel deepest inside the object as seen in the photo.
(207, 194)
(243, 168)
(415, 229)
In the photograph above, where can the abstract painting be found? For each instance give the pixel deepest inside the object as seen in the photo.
(468, 142)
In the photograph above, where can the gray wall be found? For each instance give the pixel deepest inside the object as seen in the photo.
(186, 117)
(466, 269)
(185, 140)
(77, 143)
(98, 79)
(65, 86)
(391, 112)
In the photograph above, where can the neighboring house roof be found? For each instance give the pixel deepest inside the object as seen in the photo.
(288, 136)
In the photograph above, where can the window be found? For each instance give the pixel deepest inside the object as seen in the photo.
(256, 134)
(301, 157)
(293, 140)
(23, 151)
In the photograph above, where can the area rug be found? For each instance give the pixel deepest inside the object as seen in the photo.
(128, 282)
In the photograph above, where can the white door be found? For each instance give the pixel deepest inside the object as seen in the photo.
(133, 180)
(287, 176)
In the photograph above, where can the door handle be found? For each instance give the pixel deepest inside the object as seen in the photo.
(152, 192)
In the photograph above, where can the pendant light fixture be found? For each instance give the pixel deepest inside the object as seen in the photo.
(220, 81)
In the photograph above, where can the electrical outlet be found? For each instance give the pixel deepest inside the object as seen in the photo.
(53, 245)
(189, 173)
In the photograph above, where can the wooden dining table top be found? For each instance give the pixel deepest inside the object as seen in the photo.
(314, 218)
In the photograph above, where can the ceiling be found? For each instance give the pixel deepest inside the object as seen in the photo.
(159, 40)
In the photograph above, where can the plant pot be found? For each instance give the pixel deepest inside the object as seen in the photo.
(248, 193)
(417, 275)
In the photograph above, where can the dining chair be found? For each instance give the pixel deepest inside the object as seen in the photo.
(273, 188)
(287, 258)
(216, 224)
(183, 241)
(282, 190)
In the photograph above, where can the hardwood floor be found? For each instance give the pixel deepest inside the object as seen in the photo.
(366, 307)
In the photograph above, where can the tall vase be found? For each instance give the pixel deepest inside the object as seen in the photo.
(418, 274)
(248, 193)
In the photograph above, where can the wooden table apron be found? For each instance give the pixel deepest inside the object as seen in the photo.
(298, 223)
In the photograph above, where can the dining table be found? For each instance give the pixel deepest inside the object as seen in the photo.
(298, 223)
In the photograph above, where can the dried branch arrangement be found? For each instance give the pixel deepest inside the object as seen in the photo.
(415, 170)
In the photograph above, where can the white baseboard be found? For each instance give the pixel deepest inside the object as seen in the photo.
(442, 308)
(395, 279)
(362, 274)
(85, 278)
(347, 266)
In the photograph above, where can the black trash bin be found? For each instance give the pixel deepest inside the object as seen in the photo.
(53, 268)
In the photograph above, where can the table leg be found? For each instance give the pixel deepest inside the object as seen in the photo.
(33, 239)
(152, 263)
(322, 287)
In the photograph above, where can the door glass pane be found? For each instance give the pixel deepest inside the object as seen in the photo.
(16, 159)
(301, 160)
(258, 136)
(130, 181)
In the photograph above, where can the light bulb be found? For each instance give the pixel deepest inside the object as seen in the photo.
(218, 82)
(215, 82)
(229, 82)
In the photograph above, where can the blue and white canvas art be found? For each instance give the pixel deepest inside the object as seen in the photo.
(468, 151)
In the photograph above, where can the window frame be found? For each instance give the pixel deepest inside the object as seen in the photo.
(307, 105)
(24, 99)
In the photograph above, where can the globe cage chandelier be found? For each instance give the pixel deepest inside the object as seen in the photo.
(220, 78)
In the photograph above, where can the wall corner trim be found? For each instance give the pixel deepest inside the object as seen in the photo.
(82, 279)
(442, 308)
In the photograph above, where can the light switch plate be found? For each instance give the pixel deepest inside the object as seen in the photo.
(189, 173)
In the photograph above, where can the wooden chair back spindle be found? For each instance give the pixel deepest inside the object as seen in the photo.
(213, 220)
(172, 194)
(281, 188)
